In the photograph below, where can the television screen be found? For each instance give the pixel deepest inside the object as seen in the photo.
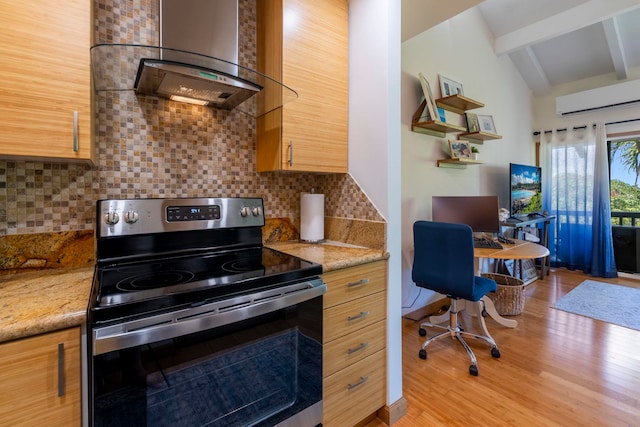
(526, 189)
(478, 212)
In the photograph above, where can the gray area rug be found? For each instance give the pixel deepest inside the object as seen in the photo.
(615, 304)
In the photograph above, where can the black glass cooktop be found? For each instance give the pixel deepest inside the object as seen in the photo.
(169, 281)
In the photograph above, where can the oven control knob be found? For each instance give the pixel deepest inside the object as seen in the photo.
(112, 218)
(244, 211)
(131, 217)
(256, 211)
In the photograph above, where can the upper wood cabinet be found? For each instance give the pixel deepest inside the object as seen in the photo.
(40, 380)
(304, 44)
(45, 86)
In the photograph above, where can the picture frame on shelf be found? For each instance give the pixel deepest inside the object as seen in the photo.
(449, 87)
(441, 115)
(460, 150)
(472, 122)
(486, 123)
(428, 97)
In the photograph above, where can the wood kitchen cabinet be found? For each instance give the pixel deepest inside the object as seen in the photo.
(354, 343)
(45, 86)
(304, 44)
(40, 380)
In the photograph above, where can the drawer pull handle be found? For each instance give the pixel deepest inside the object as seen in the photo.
(60, 369)
(358, 316)
(359, 383)
(75, 131)
(290, 153)
(358, 348)
(358, 283)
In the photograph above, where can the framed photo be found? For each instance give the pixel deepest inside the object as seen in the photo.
(449, 87)
(428, 97)
(460, 149)
(486, 123)
(472, 122)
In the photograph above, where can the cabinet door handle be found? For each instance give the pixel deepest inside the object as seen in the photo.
(75, 132)
(290, 153)
(358, 316)
(359, 383)
(358, 348)
(358, 283)
(60, 369)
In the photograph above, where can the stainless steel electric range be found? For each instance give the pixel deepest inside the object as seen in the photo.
(193, 322)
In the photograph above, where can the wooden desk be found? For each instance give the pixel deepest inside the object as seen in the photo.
(520, 250)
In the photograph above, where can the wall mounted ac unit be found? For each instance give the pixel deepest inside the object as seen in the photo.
(595, 99)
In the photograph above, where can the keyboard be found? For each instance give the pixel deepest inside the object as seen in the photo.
(486, 244)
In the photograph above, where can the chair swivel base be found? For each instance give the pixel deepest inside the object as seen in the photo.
(454, 330)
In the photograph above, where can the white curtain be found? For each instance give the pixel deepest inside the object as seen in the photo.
(576, 191)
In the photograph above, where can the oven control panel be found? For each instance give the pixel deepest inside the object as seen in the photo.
(193, 213)
(139, 216)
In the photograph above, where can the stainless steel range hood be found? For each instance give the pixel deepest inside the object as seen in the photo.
(196, 62)
(196, 85)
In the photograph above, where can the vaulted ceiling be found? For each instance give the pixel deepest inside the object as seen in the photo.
(554, 42)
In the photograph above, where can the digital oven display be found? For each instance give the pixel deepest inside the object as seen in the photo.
(193, 213)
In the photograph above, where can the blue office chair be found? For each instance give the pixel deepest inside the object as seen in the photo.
(443, 262)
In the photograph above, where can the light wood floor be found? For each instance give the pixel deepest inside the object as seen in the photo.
(556, 369)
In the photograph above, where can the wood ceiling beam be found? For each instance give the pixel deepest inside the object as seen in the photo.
(586, 14)
(529, 67)
(615, 47)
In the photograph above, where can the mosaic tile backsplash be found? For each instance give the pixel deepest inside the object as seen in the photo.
(149, 147)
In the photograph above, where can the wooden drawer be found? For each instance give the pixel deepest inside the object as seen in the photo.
(351, 348)
(355, 392)
(354, 282)
(352, 316)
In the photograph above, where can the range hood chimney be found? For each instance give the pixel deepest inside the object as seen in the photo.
(196, 61)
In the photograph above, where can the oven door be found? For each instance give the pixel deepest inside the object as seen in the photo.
(253, 360)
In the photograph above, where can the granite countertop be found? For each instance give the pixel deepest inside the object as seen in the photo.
(332, 255)
(43, 301)
(47, 300)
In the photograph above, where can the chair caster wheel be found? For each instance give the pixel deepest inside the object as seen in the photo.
(473, 370)
(422, 332)
(495, 352)
(484, 312)
(423, 354)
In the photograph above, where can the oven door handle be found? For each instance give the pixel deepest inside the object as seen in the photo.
(183, 322)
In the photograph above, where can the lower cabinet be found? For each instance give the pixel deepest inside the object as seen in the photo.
(354, 361)
(40, 380)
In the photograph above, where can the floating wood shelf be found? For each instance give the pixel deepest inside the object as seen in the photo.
(479, 137)
(435, 128)
(432, 127)
(457, 163)
(458, 103)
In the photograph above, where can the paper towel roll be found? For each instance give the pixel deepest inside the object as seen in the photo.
(311, 217)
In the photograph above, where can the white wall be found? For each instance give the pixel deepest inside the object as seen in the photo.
(461, 49)
(374, 143)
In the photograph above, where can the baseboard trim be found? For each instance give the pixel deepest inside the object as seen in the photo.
(427, 310)
(392, 413)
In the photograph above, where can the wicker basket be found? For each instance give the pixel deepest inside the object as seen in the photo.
(509, 297)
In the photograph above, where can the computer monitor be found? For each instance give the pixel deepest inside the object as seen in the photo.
(525, 190)
(478, 212)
